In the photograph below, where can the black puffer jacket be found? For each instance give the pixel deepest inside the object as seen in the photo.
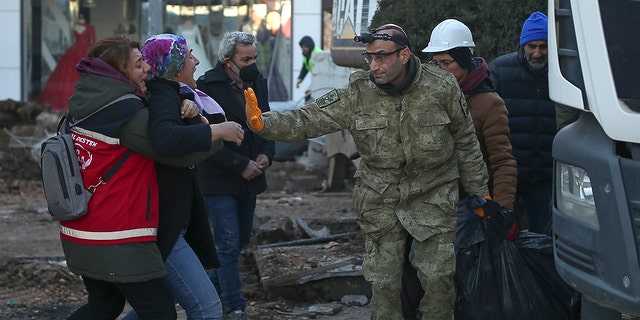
(532, 117)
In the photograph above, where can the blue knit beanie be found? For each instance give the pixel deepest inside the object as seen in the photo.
(535, 28)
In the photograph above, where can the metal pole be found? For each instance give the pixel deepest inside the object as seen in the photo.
(156, 21)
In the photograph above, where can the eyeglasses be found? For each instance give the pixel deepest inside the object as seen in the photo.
(379, 56)
(443, 64)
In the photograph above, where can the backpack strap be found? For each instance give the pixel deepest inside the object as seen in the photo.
(105, 177)
(65, 123)
(118, 99)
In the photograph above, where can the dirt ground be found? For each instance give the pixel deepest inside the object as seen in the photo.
(35, 284)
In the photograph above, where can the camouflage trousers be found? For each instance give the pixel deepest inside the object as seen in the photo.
(435, 262)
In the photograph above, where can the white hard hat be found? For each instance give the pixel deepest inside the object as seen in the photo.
(449, 34)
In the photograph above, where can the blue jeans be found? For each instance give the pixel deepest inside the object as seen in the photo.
(535, 200)
(232, 219)
(189, 284)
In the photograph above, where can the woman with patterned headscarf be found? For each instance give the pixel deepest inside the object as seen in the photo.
(184, 235)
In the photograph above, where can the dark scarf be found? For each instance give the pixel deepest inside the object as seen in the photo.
(390, 89)
(478, 74)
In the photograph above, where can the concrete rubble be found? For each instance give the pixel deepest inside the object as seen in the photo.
(23, 126)
(325, 262)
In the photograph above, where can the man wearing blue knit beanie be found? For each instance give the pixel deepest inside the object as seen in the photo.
(521, 80)
(534, 36)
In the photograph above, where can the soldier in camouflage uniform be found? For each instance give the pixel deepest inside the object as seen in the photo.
(414, 133)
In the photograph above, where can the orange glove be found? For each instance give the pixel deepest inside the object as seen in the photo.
(252, 111)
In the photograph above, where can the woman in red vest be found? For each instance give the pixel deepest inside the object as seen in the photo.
(113, 247)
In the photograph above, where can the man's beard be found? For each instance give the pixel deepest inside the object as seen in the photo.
(537, 65)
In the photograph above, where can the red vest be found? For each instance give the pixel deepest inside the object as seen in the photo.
(123, 210)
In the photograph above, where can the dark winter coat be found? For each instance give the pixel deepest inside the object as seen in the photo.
(181, 203)
(221, 174)
(532, 117)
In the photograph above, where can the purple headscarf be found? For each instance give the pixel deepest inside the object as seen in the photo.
(165, 53)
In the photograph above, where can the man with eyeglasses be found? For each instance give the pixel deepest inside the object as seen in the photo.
(521, 80)
(416, 139)
(451, 45)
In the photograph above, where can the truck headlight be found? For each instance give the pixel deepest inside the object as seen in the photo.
(574, 194)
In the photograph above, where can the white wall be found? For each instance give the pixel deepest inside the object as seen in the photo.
(327, 75)
(307, 21)
(10, 75)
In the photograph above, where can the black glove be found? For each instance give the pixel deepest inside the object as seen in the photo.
(499, 219)
(484, 207)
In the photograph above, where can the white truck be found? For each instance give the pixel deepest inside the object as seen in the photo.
(594, 67)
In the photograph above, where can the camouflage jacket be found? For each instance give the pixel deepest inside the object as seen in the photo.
(414, 148)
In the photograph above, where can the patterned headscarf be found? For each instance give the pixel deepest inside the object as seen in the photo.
(165, 53)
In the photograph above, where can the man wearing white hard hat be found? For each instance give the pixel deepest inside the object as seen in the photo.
(451, 45)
